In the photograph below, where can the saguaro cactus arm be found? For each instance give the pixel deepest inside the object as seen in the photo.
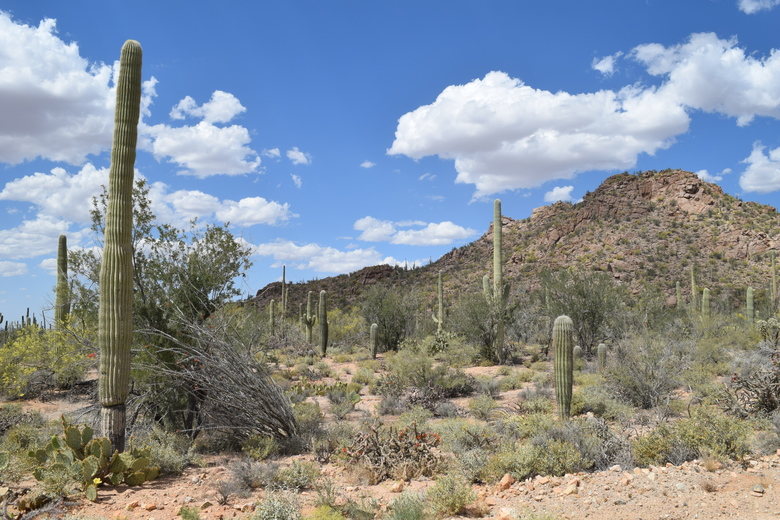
(115, 315)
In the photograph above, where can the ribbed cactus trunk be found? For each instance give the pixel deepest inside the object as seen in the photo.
(601, 355)
(694, 291)
(705, 305)
(62, 298)
(323, 317)
(773, 286)
(563, 348)
(439, 319)
(272, 316)
(678, 295)
(497, 295)
(115, 316)
(309, 318)
(750, 314)
(372, 333)
(284, 292)
(577, 353)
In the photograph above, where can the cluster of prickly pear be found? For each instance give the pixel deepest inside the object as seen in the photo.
(498, 295)
(323, 312)
(750, 314)
(439, 319)
(372, 339)
(309, 319)
(601, 356)
(62, 302)
(115, 315)
(92, 460)
(563, 349)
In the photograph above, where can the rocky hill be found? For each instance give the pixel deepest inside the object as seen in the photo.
(645, 228)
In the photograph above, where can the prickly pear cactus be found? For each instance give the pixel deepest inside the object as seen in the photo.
(323, 317)
(563, 350)
(115, 315)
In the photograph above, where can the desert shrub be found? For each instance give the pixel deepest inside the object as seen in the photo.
(754, 388)
(516, 379)
(525, 425)
(13, 415)
(415, 416)
(171, 452)
(250, 474)
(325, 512)
(38, 358)
(297, 476)
(706, 432)
(17, 442)
(482, 407)
(460, 436)
(333, 440)
(345, 328)
(407, 506)
(189, 513)
(365, 509)
(598, 401)
(645, 370)
(309, 418)
(489, 386)
(260, 447)
(471, 464)
(279, 505)
(597, 445)
(343, 402)
(517, 460)
(449, 495)
(363, 376)
(384, 452)
(473, 319)
(393, 313)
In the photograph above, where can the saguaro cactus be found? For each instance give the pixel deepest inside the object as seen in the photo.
(272, 316)
(372, 339)
(115, 316)
(284, 292)
(439, 319)
(694, 291)
(497, 296)
(309, 318)
(601, 355)
(62, 301)
(750, 314)
(577, 353)
(678, 295)
(773, 285)
(323, 317)
(705, 304)
(563, 347)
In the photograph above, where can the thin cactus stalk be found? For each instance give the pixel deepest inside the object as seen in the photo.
(498, 294)
(272, 316)
(323, 317)
(284, 292)
(62, 299)
(694, 290)
(678, 295)
(577, 353)
(705, 304)
(601, 356)
(439, 319)
(372, 339)
(773, 286)
(563, 348)
(115, 315)
(309, 318)
(750, 314)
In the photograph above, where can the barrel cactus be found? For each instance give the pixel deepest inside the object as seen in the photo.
(309, 318)
(323, 317)
(372, 339)
(62, 301)
(563, 348)
(115, 315)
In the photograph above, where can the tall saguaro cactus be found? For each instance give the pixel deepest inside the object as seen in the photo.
(284, 292)
(372, 339)
(498, 294)
(272, 316)
(115, 317)
(62, 301)
(678, 295)
(773, 286)
(563, 348)
(309, 318)
(750, 314)
(323, 317)
(439, 319)
(601, 355)
(705, 304)
(694, 291)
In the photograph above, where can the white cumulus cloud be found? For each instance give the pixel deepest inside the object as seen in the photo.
(429, 234)
(706, 176)
(297, 180)
(754, 6)
(367, 164)
(298, 157)
(606, 65)
(221, 108)
(559, 193)
(762, 174)
(272, 153)
(12, 268)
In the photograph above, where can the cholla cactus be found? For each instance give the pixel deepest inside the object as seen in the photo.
(372, 339)
(563, 348)
(439, 320)
(323, 317)
(62, 302)
(601, 355)
(115, 317)
(497, 295)
(309, 318)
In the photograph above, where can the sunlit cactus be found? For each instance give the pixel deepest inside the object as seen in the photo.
(115, 317)
(62, 298)
(563, 349)
(497, 295)
(372, 339)
(750, 313)
(323, 317)
(601, 356)
(309, 318)
(439, 319)
(705, 304)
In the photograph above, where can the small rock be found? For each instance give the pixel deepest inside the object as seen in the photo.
(542, 480)
(506, 514)
(150, 506)
(571, 489)
(758, 490)
(188, 500)
(397, 487)
(132, 505)
(491, 500)
(619, 502)
(651, 476)
(195, 479)
(616, 468)
(506, 482)
(539, 498)
(205, 504)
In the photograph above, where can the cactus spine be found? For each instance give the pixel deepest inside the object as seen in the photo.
(749, 301)
(705, 304)
(115, 317)
(62, 301)
(439, 319)
(372, 339)
(497, 295)
(323, 317)
(563, 347)
(601, 355)
(309, 318)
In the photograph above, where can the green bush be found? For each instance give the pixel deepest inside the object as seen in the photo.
(260, 447)
(171, 452)
(363, 376)
(277, 505)
(407, 506)
(482, 407)
(325, 512)
(297, 476)
(450, 495)
(12, 415)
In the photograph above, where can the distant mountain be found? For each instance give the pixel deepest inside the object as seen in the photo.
(644, 229)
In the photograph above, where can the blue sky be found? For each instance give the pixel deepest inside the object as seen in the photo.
(334, 135)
